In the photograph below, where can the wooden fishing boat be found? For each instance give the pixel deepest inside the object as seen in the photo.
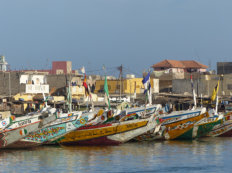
(182, 129)
(22, 126)
(224, 129)
(133, 113)
(111, 133)
(167, 119)
(55, 130)
(98, 134)
(204, 126)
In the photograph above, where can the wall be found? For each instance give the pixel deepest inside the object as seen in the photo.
(14, 88)
(204, 85)
(128, 86)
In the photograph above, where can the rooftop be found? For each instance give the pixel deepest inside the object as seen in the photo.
(179, 64)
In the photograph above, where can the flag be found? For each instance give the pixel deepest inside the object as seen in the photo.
(86, 86)
(215, 91)
(107, 99)
(147, 87)
(23, 132)
(146, 83)
(83, 70)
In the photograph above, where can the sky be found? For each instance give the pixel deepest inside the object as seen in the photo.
(134, 33)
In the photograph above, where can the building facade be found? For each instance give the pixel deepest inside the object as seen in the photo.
(224, 68)
(175, 66)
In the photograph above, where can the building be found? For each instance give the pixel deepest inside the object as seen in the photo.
(224, 68)
(58, 67)
(3, 64)
(175, 66)
(127, 86)
(61, 67)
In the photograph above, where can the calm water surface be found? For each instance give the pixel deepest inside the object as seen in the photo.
(204, 155)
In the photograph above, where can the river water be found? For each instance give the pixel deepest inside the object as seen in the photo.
(203, 155)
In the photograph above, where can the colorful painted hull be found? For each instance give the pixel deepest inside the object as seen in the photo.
(167, 119)
(123, 137)
(53, 132)
(95, 134)
(222, 130)
(23, 127)
(182, 129)
(204, 128)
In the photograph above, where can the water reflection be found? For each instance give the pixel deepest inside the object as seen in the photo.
(207, 154)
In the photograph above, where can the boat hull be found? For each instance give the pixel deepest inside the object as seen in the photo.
(51, 133)
(182, 129)
(9, 137)
(99, 133)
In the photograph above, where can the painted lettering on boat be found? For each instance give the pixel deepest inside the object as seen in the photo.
(21, 123)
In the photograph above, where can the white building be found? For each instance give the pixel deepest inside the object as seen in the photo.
(35, 83)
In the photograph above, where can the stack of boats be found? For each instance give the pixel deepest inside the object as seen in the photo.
(109, 127)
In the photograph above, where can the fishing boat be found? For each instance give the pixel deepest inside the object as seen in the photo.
(108, 134)
(204, 126)
(168, 119)
(182, 129)
(19, 127)
(132, 113)
(54, 131)
(224, 129)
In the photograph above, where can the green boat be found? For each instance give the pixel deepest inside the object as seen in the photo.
(201, 128)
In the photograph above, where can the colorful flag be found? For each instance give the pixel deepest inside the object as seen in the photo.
(146, 83)
(86, 86)
(215, 91)
(23, 132)
(107, 98)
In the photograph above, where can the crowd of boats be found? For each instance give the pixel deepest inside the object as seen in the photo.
(111, 126)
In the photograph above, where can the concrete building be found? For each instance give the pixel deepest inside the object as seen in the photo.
(224, 68)
(61, 67)
(127, 86)
(58, 67)
(179, 66)
(204, 85)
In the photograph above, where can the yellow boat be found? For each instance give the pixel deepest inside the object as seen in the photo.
(183, 129)
(107, 134)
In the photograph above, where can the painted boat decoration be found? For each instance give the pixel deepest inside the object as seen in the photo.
(104, 134)
(182, 129)
(167, 119)
(55, 130)
(97, 134)
(204, 126)
(224, 129)
(132, 113)
(22, 126)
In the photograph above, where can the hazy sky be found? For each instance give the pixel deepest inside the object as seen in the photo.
(135, 33)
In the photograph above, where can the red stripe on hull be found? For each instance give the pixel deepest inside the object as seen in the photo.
(97, 141)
